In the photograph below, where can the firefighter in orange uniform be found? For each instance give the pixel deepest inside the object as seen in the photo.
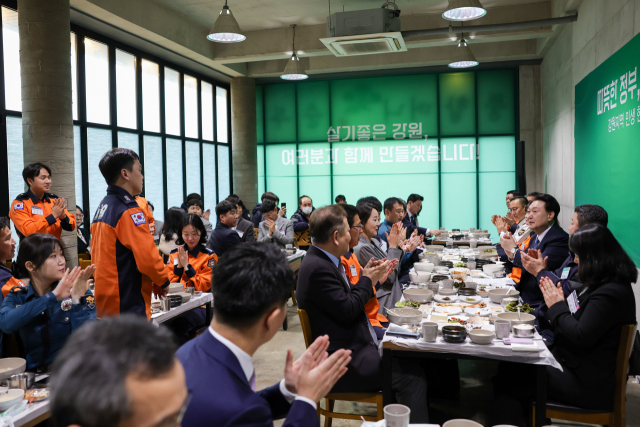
(353, 269)
(129, 264)
(192, 262)
(7, 252)
(144, 205)
(37, 210)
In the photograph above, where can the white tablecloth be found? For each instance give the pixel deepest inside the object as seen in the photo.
(194, 302)
(299, 254)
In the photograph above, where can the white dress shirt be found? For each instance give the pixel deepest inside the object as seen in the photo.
(246, 363)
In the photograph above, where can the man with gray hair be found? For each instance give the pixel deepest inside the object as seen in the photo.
(121, 371)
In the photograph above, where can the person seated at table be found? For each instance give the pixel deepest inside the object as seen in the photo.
(7, 252)
(192, 261)
(587, 333)
(370, 200)
(410, 221)
(567, 273)
(513, 223)
(172, 223)
(275, 228)
(518, 207)
(390, 290)
(511, 194)
(337, 309)
(340, 199)
(244, 212)
(185, 204)
(547, 237)
(119, 372)
(244, 227)
(353, 270)
(55, 304)
(84, 236)
(251, 286)
(257, 214)
(224, 236)
(300, 218)
(196, 206)
(531, 196)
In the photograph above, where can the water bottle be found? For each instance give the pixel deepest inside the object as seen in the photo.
(471, 262)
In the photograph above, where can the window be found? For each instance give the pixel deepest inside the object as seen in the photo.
(154, 174)
(172, 101)
(150, 96)
(11, 49)
(207, 110)
(190, 107)
(210, 184)
(74, 76)
(97, 81)
(16, 162)
(192, 164)
(98, 143)
(126, 89)
(129, 140)
(224, 184)
(175, 189)
(221, 110)
(77, 166)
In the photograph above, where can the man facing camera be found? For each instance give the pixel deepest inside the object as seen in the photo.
(224, 236)
(127, 377)
(275, 228)
(251, 286)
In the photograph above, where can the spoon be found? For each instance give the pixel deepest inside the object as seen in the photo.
(519, 318)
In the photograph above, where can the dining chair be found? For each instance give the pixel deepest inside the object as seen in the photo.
(331, 398)
(302, 239)
(257, 231)
(86, 257)
(84, 263)
(616, 417)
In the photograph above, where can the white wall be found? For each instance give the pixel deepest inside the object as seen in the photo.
(603, 27)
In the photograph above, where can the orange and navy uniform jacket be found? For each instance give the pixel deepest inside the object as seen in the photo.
(126, 257)
(198, 272)
(144, 205)
(352, 268)
(7, 281)
(516, 272)
(31, 215)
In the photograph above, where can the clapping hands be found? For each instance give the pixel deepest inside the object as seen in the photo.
(552, 294)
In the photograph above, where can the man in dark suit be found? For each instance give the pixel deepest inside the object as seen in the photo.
(410, 220)
(336, 308)
(251, 286)
(551, 241)
(224, 236)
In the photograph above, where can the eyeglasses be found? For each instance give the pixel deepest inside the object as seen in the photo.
(357, 226)
(183, 410)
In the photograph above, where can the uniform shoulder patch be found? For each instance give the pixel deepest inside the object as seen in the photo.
(90, 301)
(138, 218)
(211, 263)
(18, 206)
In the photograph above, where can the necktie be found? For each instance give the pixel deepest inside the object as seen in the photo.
(344, 274)
(252, 381)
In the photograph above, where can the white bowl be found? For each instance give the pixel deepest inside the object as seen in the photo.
(482, 312)
(401, 316)
(451, 311)
(427, 267)
(461, 423)
(527, 319)
(420, 276)
(440, 269)
(10, 398)
(175, 288)
(448, 292)
(481, 336)
(492, 268)
(496, 295)
(12, 365)
(419, 295)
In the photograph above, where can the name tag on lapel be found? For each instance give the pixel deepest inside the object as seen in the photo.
(565, 273)
(572, 300)
(352, 268)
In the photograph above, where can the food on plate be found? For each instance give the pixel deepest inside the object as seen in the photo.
(411, 304)
(476, 320)
(458, 284)
(482, 288)
(36, 394)
(470, 299)
(459, 264)
(513, 306)
(446, 299)
(457, 320)
(490, 251)
(479, 305)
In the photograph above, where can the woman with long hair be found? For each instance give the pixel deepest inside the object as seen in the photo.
(56, 302)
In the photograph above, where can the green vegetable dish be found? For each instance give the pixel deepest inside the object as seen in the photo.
(513, 307)
(458, 284)
(460, 264)
(413, 304)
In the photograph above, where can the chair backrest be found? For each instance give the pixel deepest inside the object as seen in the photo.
(83, 263)
(8, 264)
(86, 257)
(306, 326)
(257, 231)
(302, 238)
(622, 368)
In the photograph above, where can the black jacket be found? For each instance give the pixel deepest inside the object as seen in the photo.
(410, 225)
(83, 247)
(256, 217)
(587, 341)
(337, 309)
(246, 228)
(222, 238)
(300, 220)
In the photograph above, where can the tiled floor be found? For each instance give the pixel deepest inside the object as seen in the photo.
(475, 394)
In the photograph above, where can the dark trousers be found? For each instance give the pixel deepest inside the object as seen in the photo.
(186, 324)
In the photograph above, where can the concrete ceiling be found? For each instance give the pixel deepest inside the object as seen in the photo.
(180, 27)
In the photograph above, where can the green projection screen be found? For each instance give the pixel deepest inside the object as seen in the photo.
(449, 137)
(606, 143)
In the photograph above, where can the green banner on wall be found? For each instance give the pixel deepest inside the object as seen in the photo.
(607, 143)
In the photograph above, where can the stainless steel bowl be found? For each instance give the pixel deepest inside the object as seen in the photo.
(454, 334)
(523, 331)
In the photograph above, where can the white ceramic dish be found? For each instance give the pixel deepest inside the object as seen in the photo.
(175, 288)
(465, 299)
(420, 276)
(448, 292)
(492, 268)
(482, 312)
(528, 319)
(419, 295)
(401, 316)
(12, 365)
(481, 336)
(427, 267)
(496, 295)
(440, 298)
(10, 398)
(450, 311)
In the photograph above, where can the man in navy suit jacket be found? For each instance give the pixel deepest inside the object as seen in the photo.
(224, 236)
(251, 286)
(551, 241)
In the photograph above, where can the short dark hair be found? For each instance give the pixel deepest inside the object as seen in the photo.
(522, 200)
(325, 221)
(388, 204)
(602, 259)
(364, 212)
(33, 170)
(550, 204)
(269, 196)
(302, 197)
(195, 221)
(351, 212)
(153, 208)
(267, 206)
(341, 198)
(249, 280)
(193, 196)
(224, 207)
(534, 194)
(107, 352)
(195, 201)
(372, 201)
(592, 214)
(35, 248)
(114, 161)
(414, 198)
(5, 222)
(172, 222)
(514, 192)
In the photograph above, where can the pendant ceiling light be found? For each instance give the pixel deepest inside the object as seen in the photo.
(464, 10)
(226, 28)
(294, 70)
(463, 57)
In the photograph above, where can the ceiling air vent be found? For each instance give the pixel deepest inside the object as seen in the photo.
(365, 44)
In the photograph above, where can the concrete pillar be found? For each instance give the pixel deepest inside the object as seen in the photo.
(244, 139)
(47, 120)
(531, 125)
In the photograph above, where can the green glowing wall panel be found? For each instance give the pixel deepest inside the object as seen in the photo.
(496, 114)
(280, 113)
(607, 152)
(316, 187)
(313, 114)
(261, 175)
(260, 114)
(459, 198)
(457, 104)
